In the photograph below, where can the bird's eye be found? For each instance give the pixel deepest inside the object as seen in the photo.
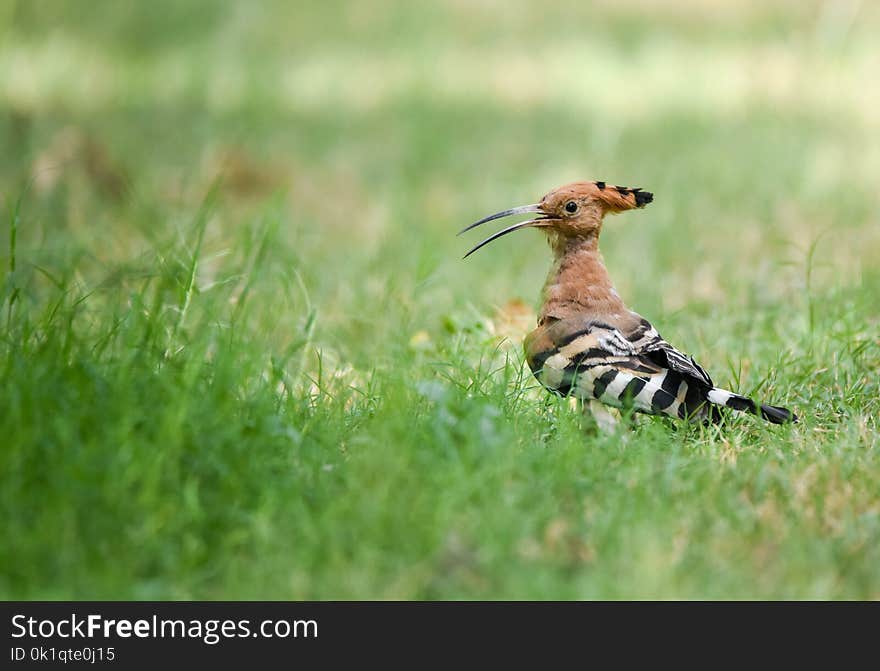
(571, 207)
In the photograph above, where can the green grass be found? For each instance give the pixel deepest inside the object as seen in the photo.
(241, 356)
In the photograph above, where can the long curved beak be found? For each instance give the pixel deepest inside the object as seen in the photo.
(522, 209)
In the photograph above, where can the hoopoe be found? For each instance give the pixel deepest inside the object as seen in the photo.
(588, 343)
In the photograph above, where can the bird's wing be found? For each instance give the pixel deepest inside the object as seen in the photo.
(647, 342)
(595, 359)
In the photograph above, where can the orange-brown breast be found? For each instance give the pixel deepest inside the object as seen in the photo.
(579, 286)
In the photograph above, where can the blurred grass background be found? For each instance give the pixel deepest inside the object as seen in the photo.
(242, 357)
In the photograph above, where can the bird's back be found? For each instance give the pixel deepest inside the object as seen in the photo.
(589, 357)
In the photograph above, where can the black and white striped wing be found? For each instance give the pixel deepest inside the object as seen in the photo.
(595, 360)
(648, 342)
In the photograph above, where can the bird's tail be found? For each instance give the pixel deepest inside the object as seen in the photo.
(770, 413)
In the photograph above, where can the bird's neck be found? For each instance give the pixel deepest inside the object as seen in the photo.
(578, 283)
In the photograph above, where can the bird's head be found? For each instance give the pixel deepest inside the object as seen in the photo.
(571, 211)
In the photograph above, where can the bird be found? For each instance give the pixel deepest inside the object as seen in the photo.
(588, 343)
